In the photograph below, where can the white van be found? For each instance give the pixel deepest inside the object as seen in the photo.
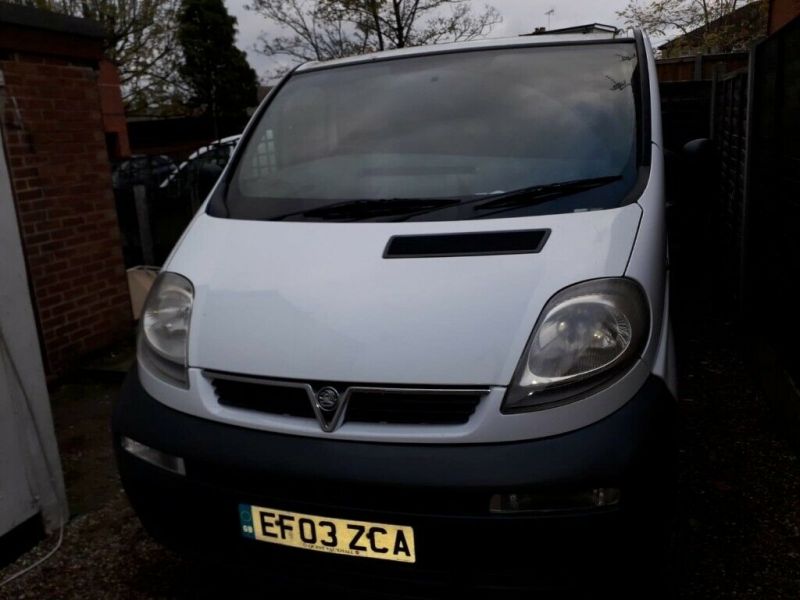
(419, 331)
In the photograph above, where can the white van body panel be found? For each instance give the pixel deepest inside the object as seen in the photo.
(648, 263)
(445, 47)
(318, 302)
(665, 365)
(486, 426)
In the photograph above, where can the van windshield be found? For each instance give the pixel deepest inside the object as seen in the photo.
(461, 135)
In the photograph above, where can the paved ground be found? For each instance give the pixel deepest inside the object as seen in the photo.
(739, 494)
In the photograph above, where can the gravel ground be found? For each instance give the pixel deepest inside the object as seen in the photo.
(738, 533)
(740, 478)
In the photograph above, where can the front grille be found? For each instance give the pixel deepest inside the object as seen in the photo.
(391, 405)
(263, 397)
(411, 408)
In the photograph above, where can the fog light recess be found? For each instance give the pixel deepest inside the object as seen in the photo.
(548, 501)
(153, 456)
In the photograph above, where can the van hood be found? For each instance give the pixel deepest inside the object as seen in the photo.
(319, 302)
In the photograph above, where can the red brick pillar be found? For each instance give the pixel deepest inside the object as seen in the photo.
(114, 121)
(61, 178)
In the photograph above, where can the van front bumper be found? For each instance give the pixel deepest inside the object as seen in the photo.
(442, 491)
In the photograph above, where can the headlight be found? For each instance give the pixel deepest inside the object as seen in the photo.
(164, 331)
(586, 332)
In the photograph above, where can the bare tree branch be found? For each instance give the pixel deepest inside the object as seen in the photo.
(711, 30)
(140, 41)
(326, 29)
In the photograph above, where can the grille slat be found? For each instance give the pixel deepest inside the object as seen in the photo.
(396, 406)
(272, 399)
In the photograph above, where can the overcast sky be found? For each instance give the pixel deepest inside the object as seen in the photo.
(519, 16)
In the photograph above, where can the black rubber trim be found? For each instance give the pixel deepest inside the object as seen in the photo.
(527, 241)
(646, 116)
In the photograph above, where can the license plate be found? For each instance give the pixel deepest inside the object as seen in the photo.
(326, 534)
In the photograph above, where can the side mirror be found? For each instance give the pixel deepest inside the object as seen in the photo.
(700, 167)
(699, 154)
(694, 195)
(690, 175)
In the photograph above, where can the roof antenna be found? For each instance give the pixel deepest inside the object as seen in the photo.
(549, 14)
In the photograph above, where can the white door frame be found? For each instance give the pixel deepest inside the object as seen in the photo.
(31, 480)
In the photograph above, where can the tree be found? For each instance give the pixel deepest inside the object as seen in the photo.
(217, 76)
(703, 25)
(140, 42)
(400, 23)
(326, 29)
(313, 30)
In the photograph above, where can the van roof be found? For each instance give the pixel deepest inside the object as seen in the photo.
(522, 40)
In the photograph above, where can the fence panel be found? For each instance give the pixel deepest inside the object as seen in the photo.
(151, 218)
(685, 112)
(729, 132)
(773, 213)
(156, 198)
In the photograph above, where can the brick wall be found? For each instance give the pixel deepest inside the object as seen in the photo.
(114, 122)
(61, 179)
(782, 12)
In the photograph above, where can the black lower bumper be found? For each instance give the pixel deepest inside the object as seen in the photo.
(442, 491)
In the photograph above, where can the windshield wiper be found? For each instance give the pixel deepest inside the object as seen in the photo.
(355, 210)
(539, 193)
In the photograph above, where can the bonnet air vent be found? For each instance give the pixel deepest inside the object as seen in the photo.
(467, 244)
